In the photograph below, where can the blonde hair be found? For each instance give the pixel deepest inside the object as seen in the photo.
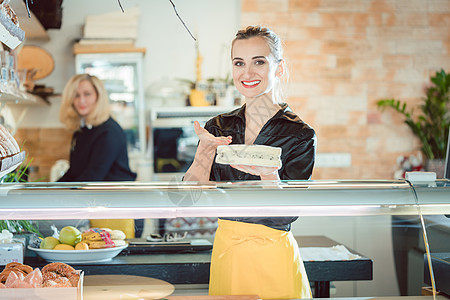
(70, 117)
(276, 49)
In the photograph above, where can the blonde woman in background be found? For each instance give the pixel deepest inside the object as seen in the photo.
(99, 147)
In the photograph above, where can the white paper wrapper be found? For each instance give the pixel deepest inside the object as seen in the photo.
(338, 252)
(5, 237)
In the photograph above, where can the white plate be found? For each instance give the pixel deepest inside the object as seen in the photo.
(79, 256)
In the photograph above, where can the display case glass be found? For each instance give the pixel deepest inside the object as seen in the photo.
(381, 227)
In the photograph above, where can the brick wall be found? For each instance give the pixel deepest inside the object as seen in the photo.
(343, 56)
(44, 146)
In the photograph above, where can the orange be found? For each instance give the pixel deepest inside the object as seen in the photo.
(81, 246)
(63, 247)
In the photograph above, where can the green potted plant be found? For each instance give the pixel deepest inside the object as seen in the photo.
(431, 124)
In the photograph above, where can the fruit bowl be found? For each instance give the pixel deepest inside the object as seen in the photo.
(78, 256)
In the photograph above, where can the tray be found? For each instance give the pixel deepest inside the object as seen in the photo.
(78, 256)
(141, 246)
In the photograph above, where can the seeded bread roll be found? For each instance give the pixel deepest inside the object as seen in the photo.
(7, 146)
(251, 155)
(3, 152)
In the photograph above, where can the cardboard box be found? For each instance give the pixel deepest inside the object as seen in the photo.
(73, 293)
(11, 252)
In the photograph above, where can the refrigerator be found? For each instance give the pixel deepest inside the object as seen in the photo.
(122, 75)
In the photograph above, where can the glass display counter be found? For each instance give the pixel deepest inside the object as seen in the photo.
(379, 224)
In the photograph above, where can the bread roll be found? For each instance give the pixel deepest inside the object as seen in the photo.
(117, 235)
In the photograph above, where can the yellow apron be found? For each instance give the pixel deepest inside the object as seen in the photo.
(253, 259)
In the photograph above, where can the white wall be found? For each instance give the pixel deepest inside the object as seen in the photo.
(170, 48)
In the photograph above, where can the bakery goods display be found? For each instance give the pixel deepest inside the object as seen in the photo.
(251, 155)
(10, 33)
(52, 275)
(10, 155)
(8, 145)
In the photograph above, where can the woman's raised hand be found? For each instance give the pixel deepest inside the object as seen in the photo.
(204, 156)
(207, 139)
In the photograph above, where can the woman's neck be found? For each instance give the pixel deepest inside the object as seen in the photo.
(258, 111)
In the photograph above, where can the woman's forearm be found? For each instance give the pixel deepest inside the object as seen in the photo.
(201, 166)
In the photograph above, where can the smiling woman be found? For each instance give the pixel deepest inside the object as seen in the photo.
(257, 75)
(85, 98)
(256, 255)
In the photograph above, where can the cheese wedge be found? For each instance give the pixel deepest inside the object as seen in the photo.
(251, 155)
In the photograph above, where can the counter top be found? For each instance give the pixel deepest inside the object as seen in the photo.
(99, 200)
(193, 268)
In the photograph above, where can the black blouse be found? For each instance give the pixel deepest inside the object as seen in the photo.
(285, 130)
(99, 154)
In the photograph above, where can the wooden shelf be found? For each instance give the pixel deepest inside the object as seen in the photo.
(105, 48)
(31, 25)
(22, 98)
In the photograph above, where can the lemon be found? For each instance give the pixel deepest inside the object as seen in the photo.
(63, 247)
(49, 243)
(70, 235)
(81, 246)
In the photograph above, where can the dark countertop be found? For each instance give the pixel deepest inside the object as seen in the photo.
(193, 268)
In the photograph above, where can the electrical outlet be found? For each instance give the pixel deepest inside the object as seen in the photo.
(333, 160)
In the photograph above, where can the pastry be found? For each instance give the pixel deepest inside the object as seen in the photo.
(10, 31)
(99, 238)
(252, 155)
(8, 145)
(14, 267)
(62, 269)
(17, 275)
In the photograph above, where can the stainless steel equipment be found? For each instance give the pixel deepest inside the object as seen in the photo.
(172, 140)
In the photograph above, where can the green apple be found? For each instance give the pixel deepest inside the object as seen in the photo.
(70, 235)
(49, 243)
